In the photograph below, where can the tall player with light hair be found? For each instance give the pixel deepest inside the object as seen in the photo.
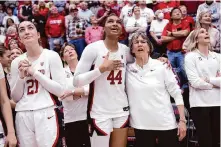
(36, 76)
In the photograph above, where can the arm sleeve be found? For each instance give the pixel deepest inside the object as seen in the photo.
(192, 75)
(83, 75)
(172, 86)
(17, 84)
(55, 85)
(129, 57)
(215, 81)
(86, 90)
(1, 72)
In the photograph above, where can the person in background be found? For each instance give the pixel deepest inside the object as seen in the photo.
(126, 12)
(94, 32)
(10, 22)
(40, 21)
(55, 27)
(214, 8)
(202, 67)
(76, 31)
(60, 5)
(166, 6)
(43, 10)
(95, 7)
(15, 52)
(136, 23)
(74, 101)
(156, 29)
(68, 18)
(105, 11)
(2, 14)
(151, 111)
(6, 111)
(57, 45)
(11, 34)
(26, 10)
(186, 18)
(205, 21)
(84, 12)
(174, 35)
(145, 12)
(10, 15)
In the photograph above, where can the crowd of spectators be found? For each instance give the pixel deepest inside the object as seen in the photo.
(78, 22)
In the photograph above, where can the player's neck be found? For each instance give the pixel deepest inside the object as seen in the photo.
(73, 64)
(34, 51)
(205, 26)
(204, 49)
(111, 43)
(142, 60)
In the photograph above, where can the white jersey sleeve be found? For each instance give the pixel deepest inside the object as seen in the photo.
(56, 83)
(83, 75)
(172, 86)
(129, 57)
(192, 74)
(1, 72)
(17, 84)
(216, 80)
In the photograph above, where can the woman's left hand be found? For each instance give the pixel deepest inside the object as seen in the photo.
(166, 61)
(181, 132)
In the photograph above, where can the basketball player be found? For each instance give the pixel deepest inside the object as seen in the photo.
(7, 113)
(103, 63)
(37, 75)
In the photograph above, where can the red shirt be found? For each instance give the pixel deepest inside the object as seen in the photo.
(177, 43)
(166, 7)
(55, 26)
(190, 21)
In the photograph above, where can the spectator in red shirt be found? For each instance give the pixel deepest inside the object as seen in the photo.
(166, 7)
(95, 32)
(186, 18)
(174, 34)
(107, 10)
(43, 10)
(55, 27)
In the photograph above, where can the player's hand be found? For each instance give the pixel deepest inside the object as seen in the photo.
(66, 94)
(166, 61)
(109, 65)
(181, 131)
(11, 140)
(22, 67)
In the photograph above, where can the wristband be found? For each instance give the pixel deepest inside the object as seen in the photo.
(183, 120)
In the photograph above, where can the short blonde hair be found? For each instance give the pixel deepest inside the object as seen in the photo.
(198, 24)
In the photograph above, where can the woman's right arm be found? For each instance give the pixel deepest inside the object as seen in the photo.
(84, 73)
(17, 84)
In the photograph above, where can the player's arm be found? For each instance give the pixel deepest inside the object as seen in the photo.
(17, 84)
(55, 84)
(83, 75)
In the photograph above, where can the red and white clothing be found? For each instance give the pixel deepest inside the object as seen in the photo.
(147, 13)
(74, 109)
(198, 66)
(149, 90)
(107, 90)
(35, 104)
(93, 33)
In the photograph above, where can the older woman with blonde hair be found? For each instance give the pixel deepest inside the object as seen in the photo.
(205, 21)
(202, 67)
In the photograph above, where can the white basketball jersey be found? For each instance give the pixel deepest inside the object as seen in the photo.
(35, 96)
(107, 93)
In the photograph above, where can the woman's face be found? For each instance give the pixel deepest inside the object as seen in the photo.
(136, 11)
(140, 47)
(206, 19)
(10, 22)
(203, 37)
(113, 26)
(69, 54)
(41, 3)
(28, 33)
(5, 59)
(13, 44)
(15, 53)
